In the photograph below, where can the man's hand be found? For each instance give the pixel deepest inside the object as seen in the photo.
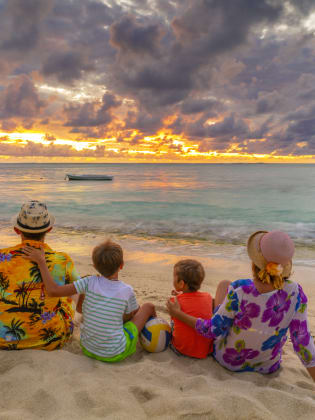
(34, 254)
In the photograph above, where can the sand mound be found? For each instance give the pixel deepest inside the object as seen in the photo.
(65, 384)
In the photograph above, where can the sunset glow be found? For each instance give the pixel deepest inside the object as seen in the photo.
(135, 83)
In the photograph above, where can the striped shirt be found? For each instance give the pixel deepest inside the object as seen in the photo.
(105, 303)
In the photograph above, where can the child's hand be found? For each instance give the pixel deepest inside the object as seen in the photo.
(175, 292)
(34, 254)
(173, 307)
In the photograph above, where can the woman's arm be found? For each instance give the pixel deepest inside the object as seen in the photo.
(300, 333)
(53, 289)
(220, 323)
(175, 311)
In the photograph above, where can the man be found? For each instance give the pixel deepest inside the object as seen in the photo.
(29, 319)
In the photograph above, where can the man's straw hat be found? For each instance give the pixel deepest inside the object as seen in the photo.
(33, 218)
(274, 246)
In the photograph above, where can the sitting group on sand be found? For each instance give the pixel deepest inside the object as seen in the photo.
(244, 327)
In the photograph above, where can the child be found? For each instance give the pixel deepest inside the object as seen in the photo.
(112, 317)
(188, 276)
(250, 325)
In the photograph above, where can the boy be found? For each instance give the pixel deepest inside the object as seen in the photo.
(188, 276)
(112, 317)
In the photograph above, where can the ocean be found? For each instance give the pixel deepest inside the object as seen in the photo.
(217, 204)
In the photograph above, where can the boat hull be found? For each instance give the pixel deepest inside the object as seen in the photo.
(71, 177)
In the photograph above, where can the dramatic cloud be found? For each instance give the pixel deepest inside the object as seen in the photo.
(159, 76)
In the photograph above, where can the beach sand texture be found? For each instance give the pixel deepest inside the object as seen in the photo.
(65, 384)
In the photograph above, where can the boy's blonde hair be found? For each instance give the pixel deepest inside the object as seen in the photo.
(191, 272)
(107, 257)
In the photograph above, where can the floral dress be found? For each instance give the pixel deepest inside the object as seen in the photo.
(250, 328)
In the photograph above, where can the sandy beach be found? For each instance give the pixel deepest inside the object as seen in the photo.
(65, 384)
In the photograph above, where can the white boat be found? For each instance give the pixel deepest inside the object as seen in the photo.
(71, 177)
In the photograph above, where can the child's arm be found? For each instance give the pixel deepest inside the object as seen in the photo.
(127, 317)
(38, 256)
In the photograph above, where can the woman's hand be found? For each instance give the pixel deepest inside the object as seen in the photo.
(34, 254)
(175, 311)
(173, 307)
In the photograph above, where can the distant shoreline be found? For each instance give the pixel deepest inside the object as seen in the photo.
(155, 163)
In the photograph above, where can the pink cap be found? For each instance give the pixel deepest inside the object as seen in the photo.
(277, 247)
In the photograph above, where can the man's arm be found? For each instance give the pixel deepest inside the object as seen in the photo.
(53, 289)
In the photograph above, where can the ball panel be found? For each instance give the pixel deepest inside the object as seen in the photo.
(155, 335)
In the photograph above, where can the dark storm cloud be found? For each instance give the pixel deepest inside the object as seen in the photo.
(204, 31)
(230, 126)
(194, 106)
(268, 103)
(92, 114)
(130, 37)
(145, 122)
(67, 66)
(303, 130)
(20, 99)
(20, 24)
(305, 6)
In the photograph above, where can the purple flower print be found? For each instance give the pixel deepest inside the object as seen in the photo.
(274, 367)
(47, 316)
(247, 311)
(240, 283)
(302, 295)
(211, 328)
(278, 348)
(301, 300)
(5, 257)
(250, 289)
(277, 305)
(299, 334)
(237, 358)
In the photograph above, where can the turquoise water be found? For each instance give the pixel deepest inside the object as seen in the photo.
(209, 202)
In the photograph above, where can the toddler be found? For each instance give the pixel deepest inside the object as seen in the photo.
(188, 276)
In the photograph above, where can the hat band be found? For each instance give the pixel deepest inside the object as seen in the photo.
(33, 228)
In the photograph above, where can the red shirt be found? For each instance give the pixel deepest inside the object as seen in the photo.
(184, 338)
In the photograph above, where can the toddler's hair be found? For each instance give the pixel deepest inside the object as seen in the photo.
(191, 272)
(262, 275)
(107, 257)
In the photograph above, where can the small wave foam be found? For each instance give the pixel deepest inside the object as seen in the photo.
(215, 231)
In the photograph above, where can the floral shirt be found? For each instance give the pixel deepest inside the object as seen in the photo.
(250, 328)
(28, 317)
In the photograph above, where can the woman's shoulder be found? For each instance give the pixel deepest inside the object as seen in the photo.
(241, 282)
(295, 290)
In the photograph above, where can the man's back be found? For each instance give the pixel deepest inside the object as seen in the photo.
(28, 317)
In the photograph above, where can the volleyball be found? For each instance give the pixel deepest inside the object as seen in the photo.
(156, 335)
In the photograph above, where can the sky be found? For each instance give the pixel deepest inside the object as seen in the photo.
(157, 81)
